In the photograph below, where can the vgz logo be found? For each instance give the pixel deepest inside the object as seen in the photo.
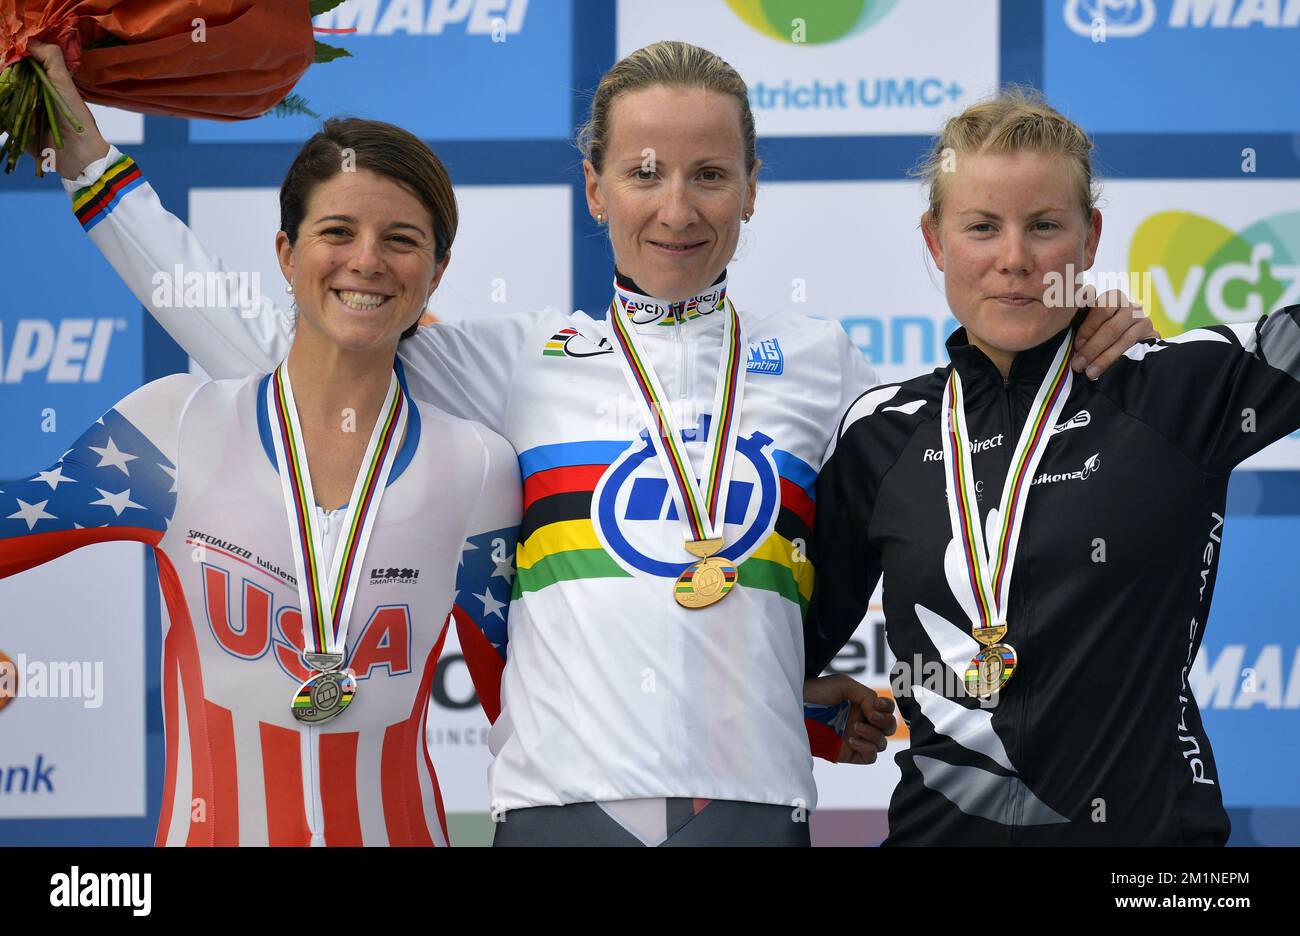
(1204, 274)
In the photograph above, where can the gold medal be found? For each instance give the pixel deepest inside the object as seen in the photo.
(705, 582)
(990, 669)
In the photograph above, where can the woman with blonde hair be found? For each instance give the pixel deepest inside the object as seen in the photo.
(654, 681)
(1007, 506)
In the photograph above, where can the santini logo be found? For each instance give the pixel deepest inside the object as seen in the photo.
(1091, 465)
(766, 357)
(102, 890)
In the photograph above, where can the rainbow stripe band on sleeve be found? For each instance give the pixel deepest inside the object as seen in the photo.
(93, 203)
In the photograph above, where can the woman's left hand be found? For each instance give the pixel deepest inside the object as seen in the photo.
(871, 719)
(1112, 327)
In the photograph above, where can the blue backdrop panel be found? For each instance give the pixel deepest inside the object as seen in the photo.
(457, 83)
(1174, 66)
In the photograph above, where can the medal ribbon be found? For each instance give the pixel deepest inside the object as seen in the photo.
(989, 568)
(702, 511)
(327, 588)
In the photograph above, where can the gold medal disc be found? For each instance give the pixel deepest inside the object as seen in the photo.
(705, 582)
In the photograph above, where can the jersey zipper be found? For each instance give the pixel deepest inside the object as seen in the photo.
(1018, 797)
(1016, 804)
(314, 819)
(681, 360)
(313, 790)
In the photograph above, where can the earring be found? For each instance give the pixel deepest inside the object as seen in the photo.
(745, 217)
(288, 287)
(600, 219)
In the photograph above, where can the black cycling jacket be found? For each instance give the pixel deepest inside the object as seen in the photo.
(1096, 739)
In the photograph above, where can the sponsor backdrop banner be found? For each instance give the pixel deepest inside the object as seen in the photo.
(1174, 66)
(876, 277)
(72, 742)
(443, 69)
(867, 66)
(845, 100)
(1206, 253)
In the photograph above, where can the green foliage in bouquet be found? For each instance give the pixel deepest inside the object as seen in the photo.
(28, 102)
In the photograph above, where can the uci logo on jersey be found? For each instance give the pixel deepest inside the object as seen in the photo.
(636, 517)
(644, 313)
(765, 357)
(707, 302)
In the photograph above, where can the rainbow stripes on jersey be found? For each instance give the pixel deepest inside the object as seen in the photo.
(555, 346)
(93, 203)
(558, 541)
(676, 312)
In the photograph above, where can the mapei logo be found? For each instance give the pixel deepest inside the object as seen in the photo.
(1118, 17)
(792, 21)
(496, 18)
(68, 351)
(1124, 18)
(632, 504)
(765, 357)
(1240, 678)
(1204, 274)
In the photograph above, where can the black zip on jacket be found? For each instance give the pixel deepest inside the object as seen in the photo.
(1096, 738)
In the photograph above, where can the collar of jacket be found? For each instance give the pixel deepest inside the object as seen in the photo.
(980, 374)
(653, 316)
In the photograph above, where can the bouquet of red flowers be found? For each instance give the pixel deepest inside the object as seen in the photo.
(220, 59)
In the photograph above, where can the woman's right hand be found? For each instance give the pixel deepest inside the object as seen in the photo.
(79, 149)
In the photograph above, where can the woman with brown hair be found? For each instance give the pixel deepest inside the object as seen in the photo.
(307, 523)
(654, 685)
